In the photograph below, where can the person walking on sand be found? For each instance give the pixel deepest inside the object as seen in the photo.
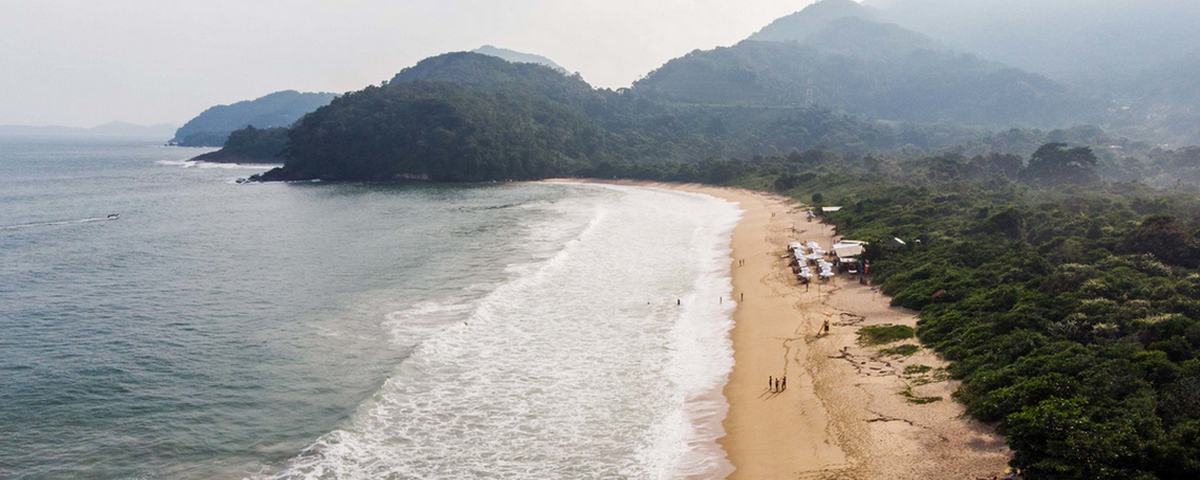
(825, 328)
(777, 385)
(770, 382)
(784, 383)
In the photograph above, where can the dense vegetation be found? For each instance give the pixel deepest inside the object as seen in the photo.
(280, 109)
(1072, 317)
(251, 145)
(439, 131)
(1070, 307)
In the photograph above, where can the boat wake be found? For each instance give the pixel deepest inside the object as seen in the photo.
(58, 222)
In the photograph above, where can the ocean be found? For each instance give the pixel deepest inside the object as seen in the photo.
(307, 330)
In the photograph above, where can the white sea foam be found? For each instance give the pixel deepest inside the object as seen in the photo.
(580, 366)
(415, 324)
(203, 164)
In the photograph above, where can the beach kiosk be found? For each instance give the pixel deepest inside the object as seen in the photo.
(847, 252)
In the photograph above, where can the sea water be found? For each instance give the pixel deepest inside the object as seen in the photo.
(218, 330)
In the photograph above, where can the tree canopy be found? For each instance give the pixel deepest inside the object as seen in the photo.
(1056, 163)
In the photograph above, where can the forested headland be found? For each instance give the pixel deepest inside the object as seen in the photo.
(280, 109)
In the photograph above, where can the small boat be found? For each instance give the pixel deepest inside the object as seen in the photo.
(113, 216)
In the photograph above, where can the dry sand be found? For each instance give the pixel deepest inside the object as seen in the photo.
(845, 414)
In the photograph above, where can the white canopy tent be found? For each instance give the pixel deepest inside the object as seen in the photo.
(847, 250)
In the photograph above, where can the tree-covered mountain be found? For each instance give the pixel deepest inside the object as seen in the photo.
(494, 74)
(280, 109)
(878, 70)
(519, 57)
(470, 117)
(1139, 58)
(440, 131)
(1093, 41)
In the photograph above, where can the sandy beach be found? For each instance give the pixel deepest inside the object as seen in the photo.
(849, 411)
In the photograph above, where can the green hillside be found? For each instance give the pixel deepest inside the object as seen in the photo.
(280, 109)
(439, 131)
(471, 117)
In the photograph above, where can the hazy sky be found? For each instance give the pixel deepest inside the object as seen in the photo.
(83, 62)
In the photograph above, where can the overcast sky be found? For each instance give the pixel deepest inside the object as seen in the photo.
(83, 62)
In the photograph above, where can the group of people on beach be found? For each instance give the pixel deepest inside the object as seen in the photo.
(776, 385)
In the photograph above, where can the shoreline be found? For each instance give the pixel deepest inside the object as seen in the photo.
(849, 411)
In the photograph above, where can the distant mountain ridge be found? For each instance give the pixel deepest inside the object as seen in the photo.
(833, 54)
(1086, 41)
(1137, 58)
(519, 57)
(835, 75)
(280, 109)
(798, 26)
(117, 129)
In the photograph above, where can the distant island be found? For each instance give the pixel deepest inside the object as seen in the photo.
(280, 109)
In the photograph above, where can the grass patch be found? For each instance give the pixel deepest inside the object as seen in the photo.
(884, 334)
(905, 350)
(913, 398)
(924, 374)
(917, 369)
